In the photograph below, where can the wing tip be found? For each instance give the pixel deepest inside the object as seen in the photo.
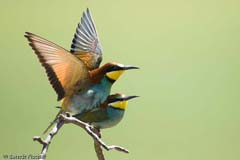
(29, 34)
(88, 11)
(48, 69)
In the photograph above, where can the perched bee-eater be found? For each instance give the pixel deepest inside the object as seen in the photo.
(108, 114)
(75, 75)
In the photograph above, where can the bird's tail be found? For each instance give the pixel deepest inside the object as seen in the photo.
(54, 121)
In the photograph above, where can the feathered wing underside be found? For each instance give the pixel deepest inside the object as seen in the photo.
(64, 70)
(86, 44)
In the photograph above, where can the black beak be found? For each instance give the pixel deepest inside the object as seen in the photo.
(127, 98)
(116, 97)
(129, 67)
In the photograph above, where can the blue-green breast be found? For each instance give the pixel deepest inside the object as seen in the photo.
(91, 97)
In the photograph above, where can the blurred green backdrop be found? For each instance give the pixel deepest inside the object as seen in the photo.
(188, 51)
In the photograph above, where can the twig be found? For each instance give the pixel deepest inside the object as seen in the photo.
(88, 128)
(98, 143)
(48, 140)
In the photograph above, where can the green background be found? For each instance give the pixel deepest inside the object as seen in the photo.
(188, 51)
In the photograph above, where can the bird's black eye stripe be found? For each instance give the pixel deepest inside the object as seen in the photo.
(116, 99)
(114, 68)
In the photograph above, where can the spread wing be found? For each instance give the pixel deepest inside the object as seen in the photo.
(63, 69)
(85, 44)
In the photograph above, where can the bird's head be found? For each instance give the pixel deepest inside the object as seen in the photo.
(119, 101)
(115, 70)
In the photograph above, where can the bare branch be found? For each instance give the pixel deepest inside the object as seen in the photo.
(93, 132)
(97, 146)
(48, 140)
(39, 139)
(99, 151)
(88, 128)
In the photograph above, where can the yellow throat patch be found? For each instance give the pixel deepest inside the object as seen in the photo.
(120, 105)
(114, 75)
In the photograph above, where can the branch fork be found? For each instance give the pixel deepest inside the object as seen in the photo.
(91, 130)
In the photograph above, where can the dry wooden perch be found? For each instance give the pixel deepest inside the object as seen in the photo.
(93, 132)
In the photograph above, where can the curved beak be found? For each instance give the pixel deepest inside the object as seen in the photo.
(127, 98)
(115, 98)
(129, 67)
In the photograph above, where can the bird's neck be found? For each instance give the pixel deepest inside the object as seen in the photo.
(98, 74)
(106, 82)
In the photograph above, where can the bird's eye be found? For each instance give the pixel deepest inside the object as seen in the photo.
(115, 67)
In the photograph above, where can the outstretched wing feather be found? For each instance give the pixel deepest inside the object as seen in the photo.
(86, 42)
(63, 69)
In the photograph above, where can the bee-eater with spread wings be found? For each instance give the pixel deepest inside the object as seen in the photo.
(75, 75)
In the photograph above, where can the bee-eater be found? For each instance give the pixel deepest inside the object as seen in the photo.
(108, 114)
(75, 75)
